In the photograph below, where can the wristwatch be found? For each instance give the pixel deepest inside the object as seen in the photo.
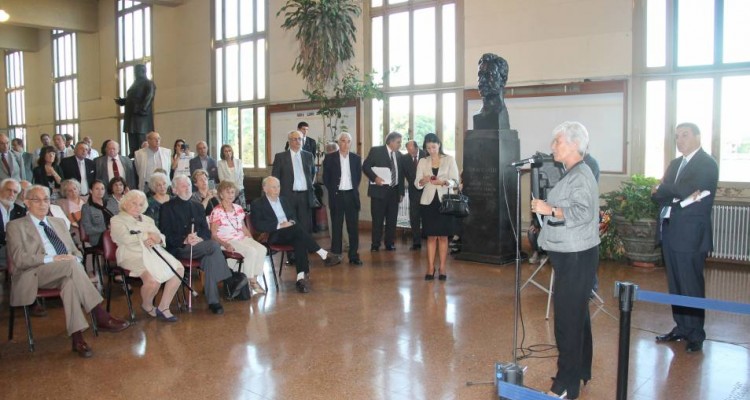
(553, 211)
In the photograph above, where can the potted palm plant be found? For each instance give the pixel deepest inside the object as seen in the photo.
(634, 222)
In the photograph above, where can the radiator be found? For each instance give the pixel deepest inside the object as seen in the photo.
(731, 227)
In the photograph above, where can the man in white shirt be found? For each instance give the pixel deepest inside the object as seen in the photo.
(80, 168)
(45, 140)
(93, 154)
(150, 158)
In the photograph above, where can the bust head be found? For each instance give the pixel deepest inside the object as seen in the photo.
(492, 74)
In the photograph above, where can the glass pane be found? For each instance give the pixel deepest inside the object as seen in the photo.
(261, 68)
(424, 46)
(425, 111)
(656, 33)
(231, 135)
(735, 137)
(219, 75)
(736, 15)
(656, 115)
(376, 3)
(449, 43)
(248, 140)
(120, 40)
(230, 20)
(261, 15)
(147, 31)
(398, 107)
(246, 16)
(128, 37)
(247, 68)
(232, 74)
(398, 31)
(397, 1)
(449, 123)
(377, 122)
(138, 34)
(695, 104)
(74, 52)
(377, 48)
(218, 19)
(261, 137)
(695, 32)
(74, 83)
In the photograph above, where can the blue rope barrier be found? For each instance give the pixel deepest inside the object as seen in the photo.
(514, 392)
(694, 302)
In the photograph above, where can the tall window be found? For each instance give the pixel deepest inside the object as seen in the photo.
(415, 42)
(133, 47)
(15, 93)
(65, 78)
(697, 69)
(239, 49)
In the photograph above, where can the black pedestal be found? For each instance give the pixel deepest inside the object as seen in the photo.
(490, 183)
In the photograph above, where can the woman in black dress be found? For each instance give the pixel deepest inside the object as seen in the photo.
(436, 175)
(47, 172)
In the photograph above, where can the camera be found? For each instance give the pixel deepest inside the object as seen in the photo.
(184, 147)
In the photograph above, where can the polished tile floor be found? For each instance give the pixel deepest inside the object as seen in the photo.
(379, 332)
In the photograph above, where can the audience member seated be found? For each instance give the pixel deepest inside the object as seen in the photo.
(183, 222)
(71, 201)
(230, 169)
(140, 250)
(117, 188)
(47, 172)
(97, 213)
(203, 195)
(159, 195)
(9, 190)
(273, 214)
(228, 229)
(46, 257)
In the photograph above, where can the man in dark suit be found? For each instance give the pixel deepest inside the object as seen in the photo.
(46, 257)
(26, 157)
(139, 109)
(385, 195)
(686, 232)
(294, 169)
(410, 159)
(79, 167)
(203, 161)
(11, 165)
(308, 144)
(274, 214)
(111, 164)
(342, 172)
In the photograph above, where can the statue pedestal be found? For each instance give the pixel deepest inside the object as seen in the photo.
(490, 183)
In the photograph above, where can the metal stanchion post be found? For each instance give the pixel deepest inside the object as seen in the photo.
(626, 294)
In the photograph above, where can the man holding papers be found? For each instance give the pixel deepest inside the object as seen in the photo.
(686, 230)
(384, 170)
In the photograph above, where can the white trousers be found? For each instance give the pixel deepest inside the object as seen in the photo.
(254, 254)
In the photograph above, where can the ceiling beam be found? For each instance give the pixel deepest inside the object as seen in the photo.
(69, 15)
(18, 38)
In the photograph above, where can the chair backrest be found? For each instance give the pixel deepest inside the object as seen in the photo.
(84, 236)
(110, 248)
(260, 237)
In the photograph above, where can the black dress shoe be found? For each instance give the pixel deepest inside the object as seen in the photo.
(355, 261)
(332, 260)
(302, 286)
(83, 349)
(216, 308)
(415, 247)
(38, 310)
(374, 248)
(429, 277)
(670, 337)
(693, 347)
(442, 277)
(390, 247)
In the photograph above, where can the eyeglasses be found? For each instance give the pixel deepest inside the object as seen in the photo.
(295, 139)
(44, 200)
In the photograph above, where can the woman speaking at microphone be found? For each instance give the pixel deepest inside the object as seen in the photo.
(138, 240)
(570, 235)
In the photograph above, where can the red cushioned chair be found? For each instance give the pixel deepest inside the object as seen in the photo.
(109, 249)
(262, 238)
(43, 294)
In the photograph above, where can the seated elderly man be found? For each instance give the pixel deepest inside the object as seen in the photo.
(184, 224)
(45, 257)
(274, 215)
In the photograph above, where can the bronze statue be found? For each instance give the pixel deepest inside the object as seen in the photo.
(139, 114)
(493, 74)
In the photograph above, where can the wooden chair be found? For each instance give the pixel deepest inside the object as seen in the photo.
(262, 238)
(110, 258)
(233, 255)
(43, 294)
(97, 252)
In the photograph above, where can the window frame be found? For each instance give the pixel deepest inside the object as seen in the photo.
(63, 124)
(17, 127)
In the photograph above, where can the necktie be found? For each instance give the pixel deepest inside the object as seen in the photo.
(415, 162)
(54, 239)
(115, 169)
(5, 163)
(665, 211)
(393, 169)
(682, 165)
(60, 157)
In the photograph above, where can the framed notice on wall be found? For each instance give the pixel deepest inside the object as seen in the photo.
(284, 118)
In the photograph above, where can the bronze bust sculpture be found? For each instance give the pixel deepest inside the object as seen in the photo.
(492, 74)
(139, 114)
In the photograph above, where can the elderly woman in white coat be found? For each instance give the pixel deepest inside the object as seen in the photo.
(230, 169)
(436, 175)
(140, 245)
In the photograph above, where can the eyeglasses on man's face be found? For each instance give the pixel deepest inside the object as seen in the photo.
(43, 200)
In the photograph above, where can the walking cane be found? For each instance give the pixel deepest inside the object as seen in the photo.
(182, 279)
(190, 278)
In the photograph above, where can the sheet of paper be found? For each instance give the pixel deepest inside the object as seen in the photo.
(690, 200)
(383, 173)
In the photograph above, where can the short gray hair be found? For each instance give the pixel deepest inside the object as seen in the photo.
(158, 177)
(392, 136)
(179, 178)
(66, 184)
(342, 134)
(35, 188)
(574, 132)
(131, 195)
(7, 181)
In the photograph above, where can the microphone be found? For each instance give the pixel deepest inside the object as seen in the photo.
(531, 160)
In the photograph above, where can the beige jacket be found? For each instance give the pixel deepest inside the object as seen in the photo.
(448, 171)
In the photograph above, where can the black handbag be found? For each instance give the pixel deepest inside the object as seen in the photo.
(455, 204)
